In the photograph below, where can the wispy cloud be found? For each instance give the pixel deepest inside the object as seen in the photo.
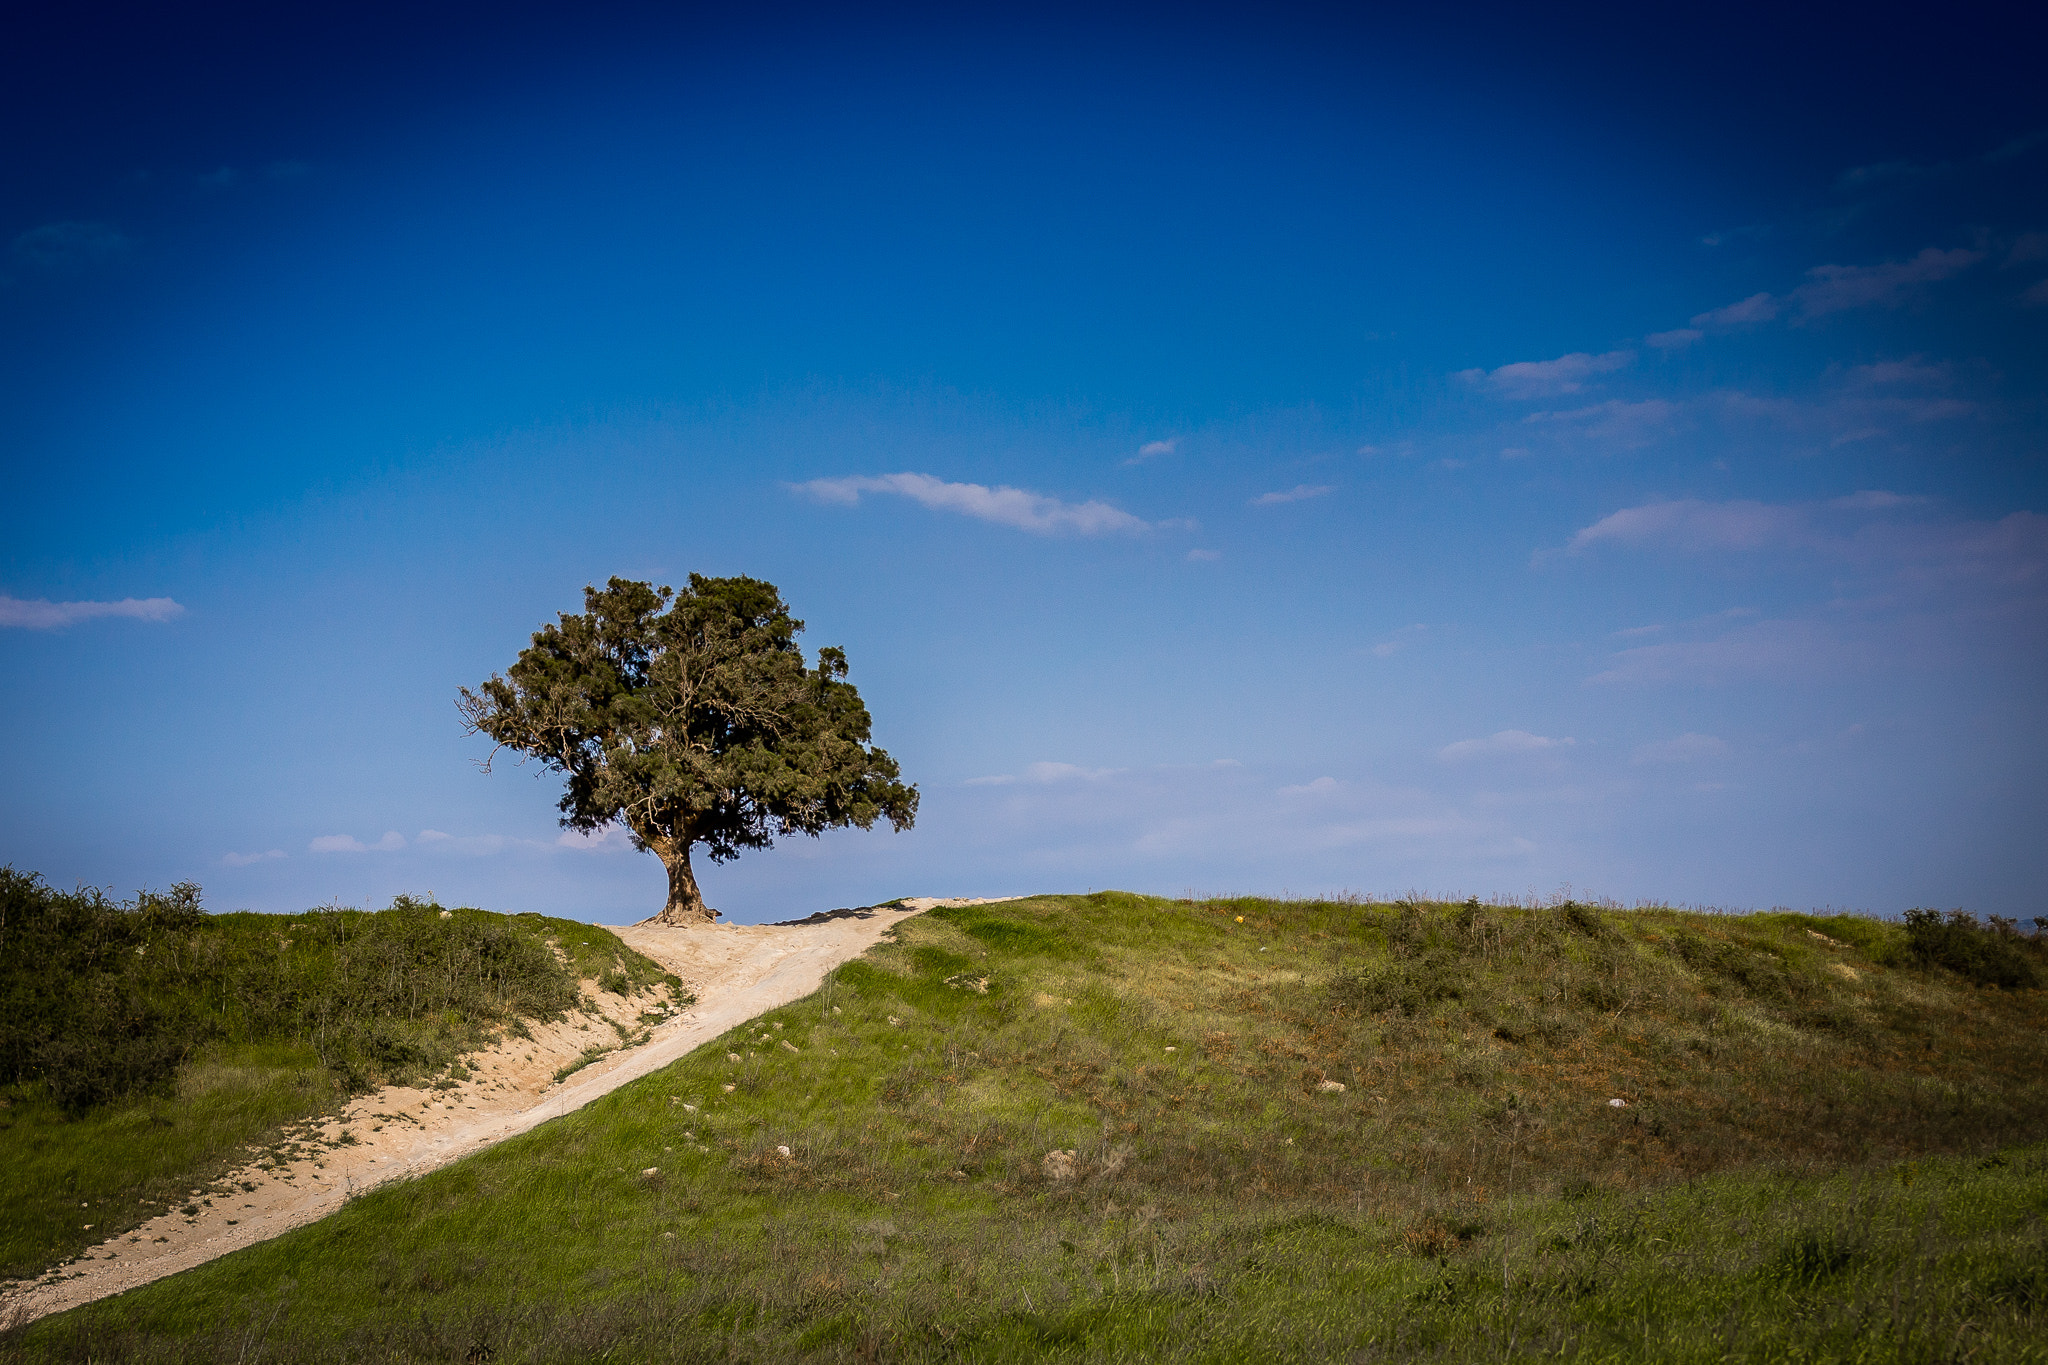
(610, 839)
(1912, 371)
(474, 845)
(1872, 500)
(39, 614)
(1400, 640)
(245, 859)
(1042, 773)
(1686, 748)
(1152, 450)
(1677, 339)
(1502, 742)
(1006, 506)
(1742, 313)
(2026, 248)
(1301, 492)
(1615, 422)
(1694, 525)
(1780, 651)
(1545, 378)
(348, 843)
(66, 248)
(1835, 288)
(1205, 556)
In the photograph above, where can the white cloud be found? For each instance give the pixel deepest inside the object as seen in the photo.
(1755, 308)
(1321, 786)
(1763, 651)
(1615, 421)
(348, 843)
(1834, 288)
(1152, 450)
(610, 839)
(1501, 742)
(1301, 492)
(1006, 506)
(1204, 556)
(244, 859)
(1694, 525)
(1542, 378)
(1677, 339)
(1687, 748)
(1042, 773)
(2028, 246)
(43, 615)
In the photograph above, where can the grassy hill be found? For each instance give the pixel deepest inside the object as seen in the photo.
(145, 1046)
(1114, 1127)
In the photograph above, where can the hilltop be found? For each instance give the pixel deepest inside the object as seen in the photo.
(1118, 1126)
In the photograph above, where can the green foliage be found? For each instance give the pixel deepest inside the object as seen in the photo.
(1470, 1192)
(105, 999)
(1993, 956)
(692, 718)
(145, 1043)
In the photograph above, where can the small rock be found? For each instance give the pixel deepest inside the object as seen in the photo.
(728, 1089)
(789, 1045)
(1059, 1165)
(782, 1151)
(1330, 1087)
(837, 1010)
(1617, 1104)
(650, 1172)
(447, 914)
(1173, 1049)
(691, 1107)
(732, 1056)
(895, 1021)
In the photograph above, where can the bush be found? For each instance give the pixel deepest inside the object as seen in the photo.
(1956, 941)
(101, 999)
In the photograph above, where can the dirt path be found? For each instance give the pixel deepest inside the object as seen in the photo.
(736, 972)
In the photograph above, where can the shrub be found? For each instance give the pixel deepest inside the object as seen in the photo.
(101, 999)
(1956, 942)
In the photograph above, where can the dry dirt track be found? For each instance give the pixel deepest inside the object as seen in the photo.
(736, 971)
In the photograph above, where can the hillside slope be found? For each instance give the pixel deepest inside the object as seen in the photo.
(148, 1049)
(1112, 1126)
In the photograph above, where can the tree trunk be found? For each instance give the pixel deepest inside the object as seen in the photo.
(685, 907)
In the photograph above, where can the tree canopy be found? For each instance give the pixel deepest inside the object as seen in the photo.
(692, 718)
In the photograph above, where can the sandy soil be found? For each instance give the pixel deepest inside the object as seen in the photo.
(735, 971)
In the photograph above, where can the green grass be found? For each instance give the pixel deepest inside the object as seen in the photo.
(149, 1047)
(1830, 1150)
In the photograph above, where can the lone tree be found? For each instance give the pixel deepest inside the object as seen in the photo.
(691, 718)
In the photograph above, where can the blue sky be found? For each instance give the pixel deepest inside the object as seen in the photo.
(1239, 451)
